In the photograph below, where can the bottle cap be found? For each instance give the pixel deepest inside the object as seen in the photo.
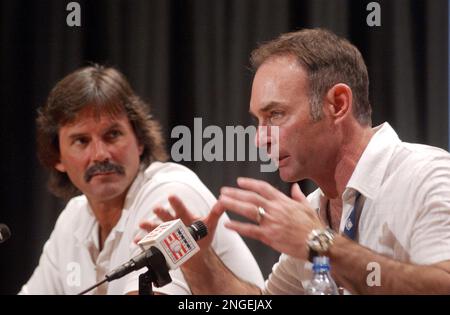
(321, 263)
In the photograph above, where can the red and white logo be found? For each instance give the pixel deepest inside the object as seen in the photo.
(175, 246)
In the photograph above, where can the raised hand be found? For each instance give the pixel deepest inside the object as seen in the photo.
(283, 223)
(187, 217)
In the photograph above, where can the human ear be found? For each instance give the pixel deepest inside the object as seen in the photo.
(60, 167)
(339, 100)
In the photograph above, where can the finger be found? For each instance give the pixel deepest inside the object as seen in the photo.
(217, 210)
(181, 211)
(213, 217)
(297, 194)
(261, 187)
(244, 195)
(137, 238)
(246, 229)
(148, 225)
(163, 214)
(242, 208)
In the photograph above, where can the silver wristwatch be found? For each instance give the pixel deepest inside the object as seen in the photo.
(319, 242)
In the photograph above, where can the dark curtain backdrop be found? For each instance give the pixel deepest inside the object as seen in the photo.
(190, 59)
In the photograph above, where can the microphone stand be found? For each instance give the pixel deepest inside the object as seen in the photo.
(157, 273)
(145, 283)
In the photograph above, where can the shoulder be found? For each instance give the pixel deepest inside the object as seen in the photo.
(76, 218)
(419, 162)
(423, 170)
(160, 180)
(159, 172)
(72, 215)
(175, 176)
(419, 154)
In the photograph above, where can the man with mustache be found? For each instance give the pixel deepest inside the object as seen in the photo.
(382, 210)
(105, 153)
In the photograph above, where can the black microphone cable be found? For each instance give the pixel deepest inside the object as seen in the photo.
(93, 287)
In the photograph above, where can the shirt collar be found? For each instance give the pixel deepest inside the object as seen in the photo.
(84, 232)
(372, 165)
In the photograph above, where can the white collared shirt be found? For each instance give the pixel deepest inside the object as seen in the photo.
(71, 260)
(405, 215)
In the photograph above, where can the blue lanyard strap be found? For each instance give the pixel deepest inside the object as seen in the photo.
(352, 222)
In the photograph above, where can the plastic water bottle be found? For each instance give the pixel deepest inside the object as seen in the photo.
(321, 282)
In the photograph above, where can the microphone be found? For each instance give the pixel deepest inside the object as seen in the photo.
(5, 232)
(171, 239)
(176, 241)
(168, 246)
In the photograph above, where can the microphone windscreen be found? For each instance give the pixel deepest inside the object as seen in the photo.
(198, 230)
(5, 232)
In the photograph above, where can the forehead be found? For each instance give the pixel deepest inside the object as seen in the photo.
(91, 117)
(279, 80)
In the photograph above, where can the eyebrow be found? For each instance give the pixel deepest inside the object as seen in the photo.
(76, 135)
(82, 134)
(266, 108)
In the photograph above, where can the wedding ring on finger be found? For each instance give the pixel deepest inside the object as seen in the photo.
(260, 213)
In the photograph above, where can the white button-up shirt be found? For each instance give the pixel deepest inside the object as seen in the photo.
(71, 260)
(406, 207)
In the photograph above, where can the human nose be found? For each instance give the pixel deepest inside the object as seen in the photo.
(262, 138)
(100, 151)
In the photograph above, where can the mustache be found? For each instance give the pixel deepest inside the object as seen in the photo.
(103, 167)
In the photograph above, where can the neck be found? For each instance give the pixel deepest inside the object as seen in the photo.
(348, 154)
(107, 214)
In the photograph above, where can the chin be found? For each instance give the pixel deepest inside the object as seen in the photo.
(289, 176)
(286, 176)
(107, 193)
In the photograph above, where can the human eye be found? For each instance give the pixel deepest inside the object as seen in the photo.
(113, 134)
(80, 141)
(275, 116)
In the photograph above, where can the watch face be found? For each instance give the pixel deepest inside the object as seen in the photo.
(320, 240)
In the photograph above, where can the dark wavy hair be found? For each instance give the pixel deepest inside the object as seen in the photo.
(106, 90)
